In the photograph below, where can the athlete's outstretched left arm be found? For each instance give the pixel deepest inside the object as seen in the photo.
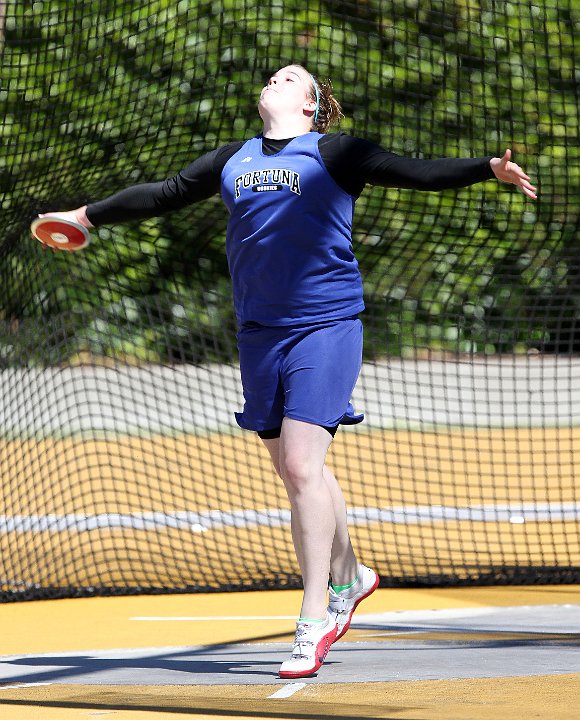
(354, 162)
(507, 171)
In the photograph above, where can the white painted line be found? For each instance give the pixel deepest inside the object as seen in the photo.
(287, 690)
(213, 618)
(24, 685)
(517, 513)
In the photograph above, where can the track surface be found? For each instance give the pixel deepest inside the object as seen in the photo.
(419, 654)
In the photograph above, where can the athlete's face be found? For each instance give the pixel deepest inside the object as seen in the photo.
(287, 93)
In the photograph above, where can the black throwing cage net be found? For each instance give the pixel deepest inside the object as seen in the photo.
(121, 467)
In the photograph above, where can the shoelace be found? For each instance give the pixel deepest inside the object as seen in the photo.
(298, 642)
(338, 604)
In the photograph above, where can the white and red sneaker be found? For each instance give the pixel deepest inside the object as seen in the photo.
(343, 604)
(311, 646)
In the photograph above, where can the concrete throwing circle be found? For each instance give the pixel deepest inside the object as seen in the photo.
(392, 646)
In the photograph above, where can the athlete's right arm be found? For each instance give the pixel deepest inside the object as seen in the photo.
(198, 181)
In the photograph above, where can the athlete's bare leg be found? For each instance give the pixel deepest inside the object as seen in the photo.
(319, 529)
(343, 562)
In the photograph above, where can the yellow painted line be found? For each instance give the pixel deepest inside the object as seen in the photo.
(104, 623)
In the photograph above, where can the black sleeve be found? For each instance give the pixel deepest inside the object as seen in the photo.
(198, 181)
(354, 163)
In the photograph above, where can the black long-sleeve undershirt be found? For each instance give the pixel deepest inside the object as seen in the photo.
(352, 163)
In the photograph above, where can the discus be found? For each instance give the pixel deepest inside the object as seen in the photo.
(60, 234)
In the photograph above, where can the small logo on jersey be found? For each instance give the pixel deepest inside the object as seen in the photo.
(247, 159)
(267, 180)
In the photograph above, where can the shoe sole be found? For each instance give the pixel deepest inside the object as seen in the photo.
(319, 656)
(357, 603)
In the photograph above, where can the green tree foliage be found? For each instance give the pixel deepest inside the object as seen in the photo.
(99, 95)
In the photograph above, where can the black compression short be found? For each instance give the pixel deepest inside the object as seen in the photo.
(275, 432)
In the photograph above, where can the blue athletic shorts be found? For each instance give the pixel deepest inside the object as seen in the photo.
(305, 373)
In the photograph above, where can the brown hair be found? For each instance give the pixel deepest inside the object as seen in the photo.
(329, 109)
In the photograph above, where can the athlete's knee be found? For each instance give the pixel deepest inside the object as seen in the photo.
(297, 472)
(303, 447)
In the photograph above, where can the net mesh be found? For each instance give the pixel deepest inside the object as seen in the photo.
(121, 466)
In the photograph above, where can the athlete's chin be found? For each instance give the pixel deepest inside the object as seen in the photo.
(265, 108)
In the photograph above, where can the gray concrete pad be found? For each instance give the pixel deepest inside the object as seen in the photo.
(395, 646)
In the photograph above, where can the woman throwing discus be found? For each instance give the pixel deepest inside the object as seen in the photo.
(290, 193)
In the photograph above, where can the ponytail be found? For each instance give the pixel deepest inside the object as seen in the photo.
(328, 109)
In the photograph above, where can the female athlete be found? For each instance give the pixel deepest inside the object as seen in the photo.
(290, 192)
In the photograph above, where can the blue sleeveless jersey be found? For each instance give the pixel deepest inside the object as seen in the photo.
(289, 245)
